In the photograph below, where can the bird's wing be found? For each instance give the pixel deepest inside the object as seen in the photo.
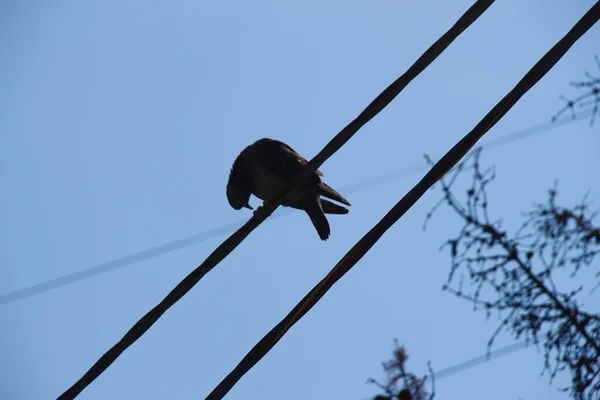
(279, 158)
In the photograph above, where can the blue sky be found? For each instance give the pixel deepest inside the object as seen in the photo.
(119, 122)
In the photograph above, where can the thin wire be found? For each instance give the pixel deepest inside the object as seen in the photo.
(473, 362)
(156, 251)
(487, 144)
(476, 361)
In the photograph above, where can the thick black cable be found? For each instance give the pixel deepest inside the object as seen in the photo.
(223, 250)
(446, 163)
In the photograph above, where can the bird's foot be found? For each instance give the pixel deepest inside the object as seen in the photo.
(265, 204)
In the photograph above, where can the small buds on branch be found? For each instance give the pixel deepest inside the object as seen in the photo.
(589, 98)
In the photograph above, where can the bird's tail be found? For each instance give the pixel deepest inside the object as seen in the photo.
(332, 208)
(319, 220)
(326, 191)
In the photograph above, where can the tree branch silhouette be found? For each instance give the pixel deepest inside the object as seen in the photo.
(451, 158)
(590, 96)
(513, 274)
(401, 384)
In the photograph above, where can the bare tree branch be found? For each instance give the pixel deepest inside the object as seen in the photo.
(590, 97)
(513, 274)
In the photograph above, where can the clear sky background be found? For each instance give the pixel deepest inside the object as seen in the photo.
(119, 122)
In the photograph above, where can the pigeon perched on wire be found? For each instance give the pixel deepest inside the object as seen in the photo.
(266, 168)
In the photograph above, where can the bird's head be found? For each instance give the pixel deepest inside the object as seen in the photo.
(238, 196)
(239, 186)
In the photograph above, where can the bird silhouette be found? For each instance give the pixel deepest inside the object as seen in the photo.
(266, 168)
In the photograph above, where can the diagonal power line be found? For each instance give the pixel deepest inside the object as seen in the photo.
(479, 360)
(449, 160)
(475, 361)
(503, 140)
(380, 102)
(200, 237)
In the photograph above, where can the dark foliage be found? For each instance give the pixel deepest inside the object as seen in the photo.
(400, 384)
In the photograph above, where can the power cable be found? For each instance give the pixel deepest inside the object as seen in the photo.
(473, 362)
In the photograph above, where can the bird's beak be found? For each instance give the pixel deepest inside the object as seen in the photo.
(248, 206)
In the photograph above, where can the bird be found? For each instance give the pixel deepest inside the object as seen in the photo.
(266, 168)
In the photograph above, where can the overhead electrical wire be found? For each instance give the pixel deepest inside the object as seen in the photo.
(473, 362)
